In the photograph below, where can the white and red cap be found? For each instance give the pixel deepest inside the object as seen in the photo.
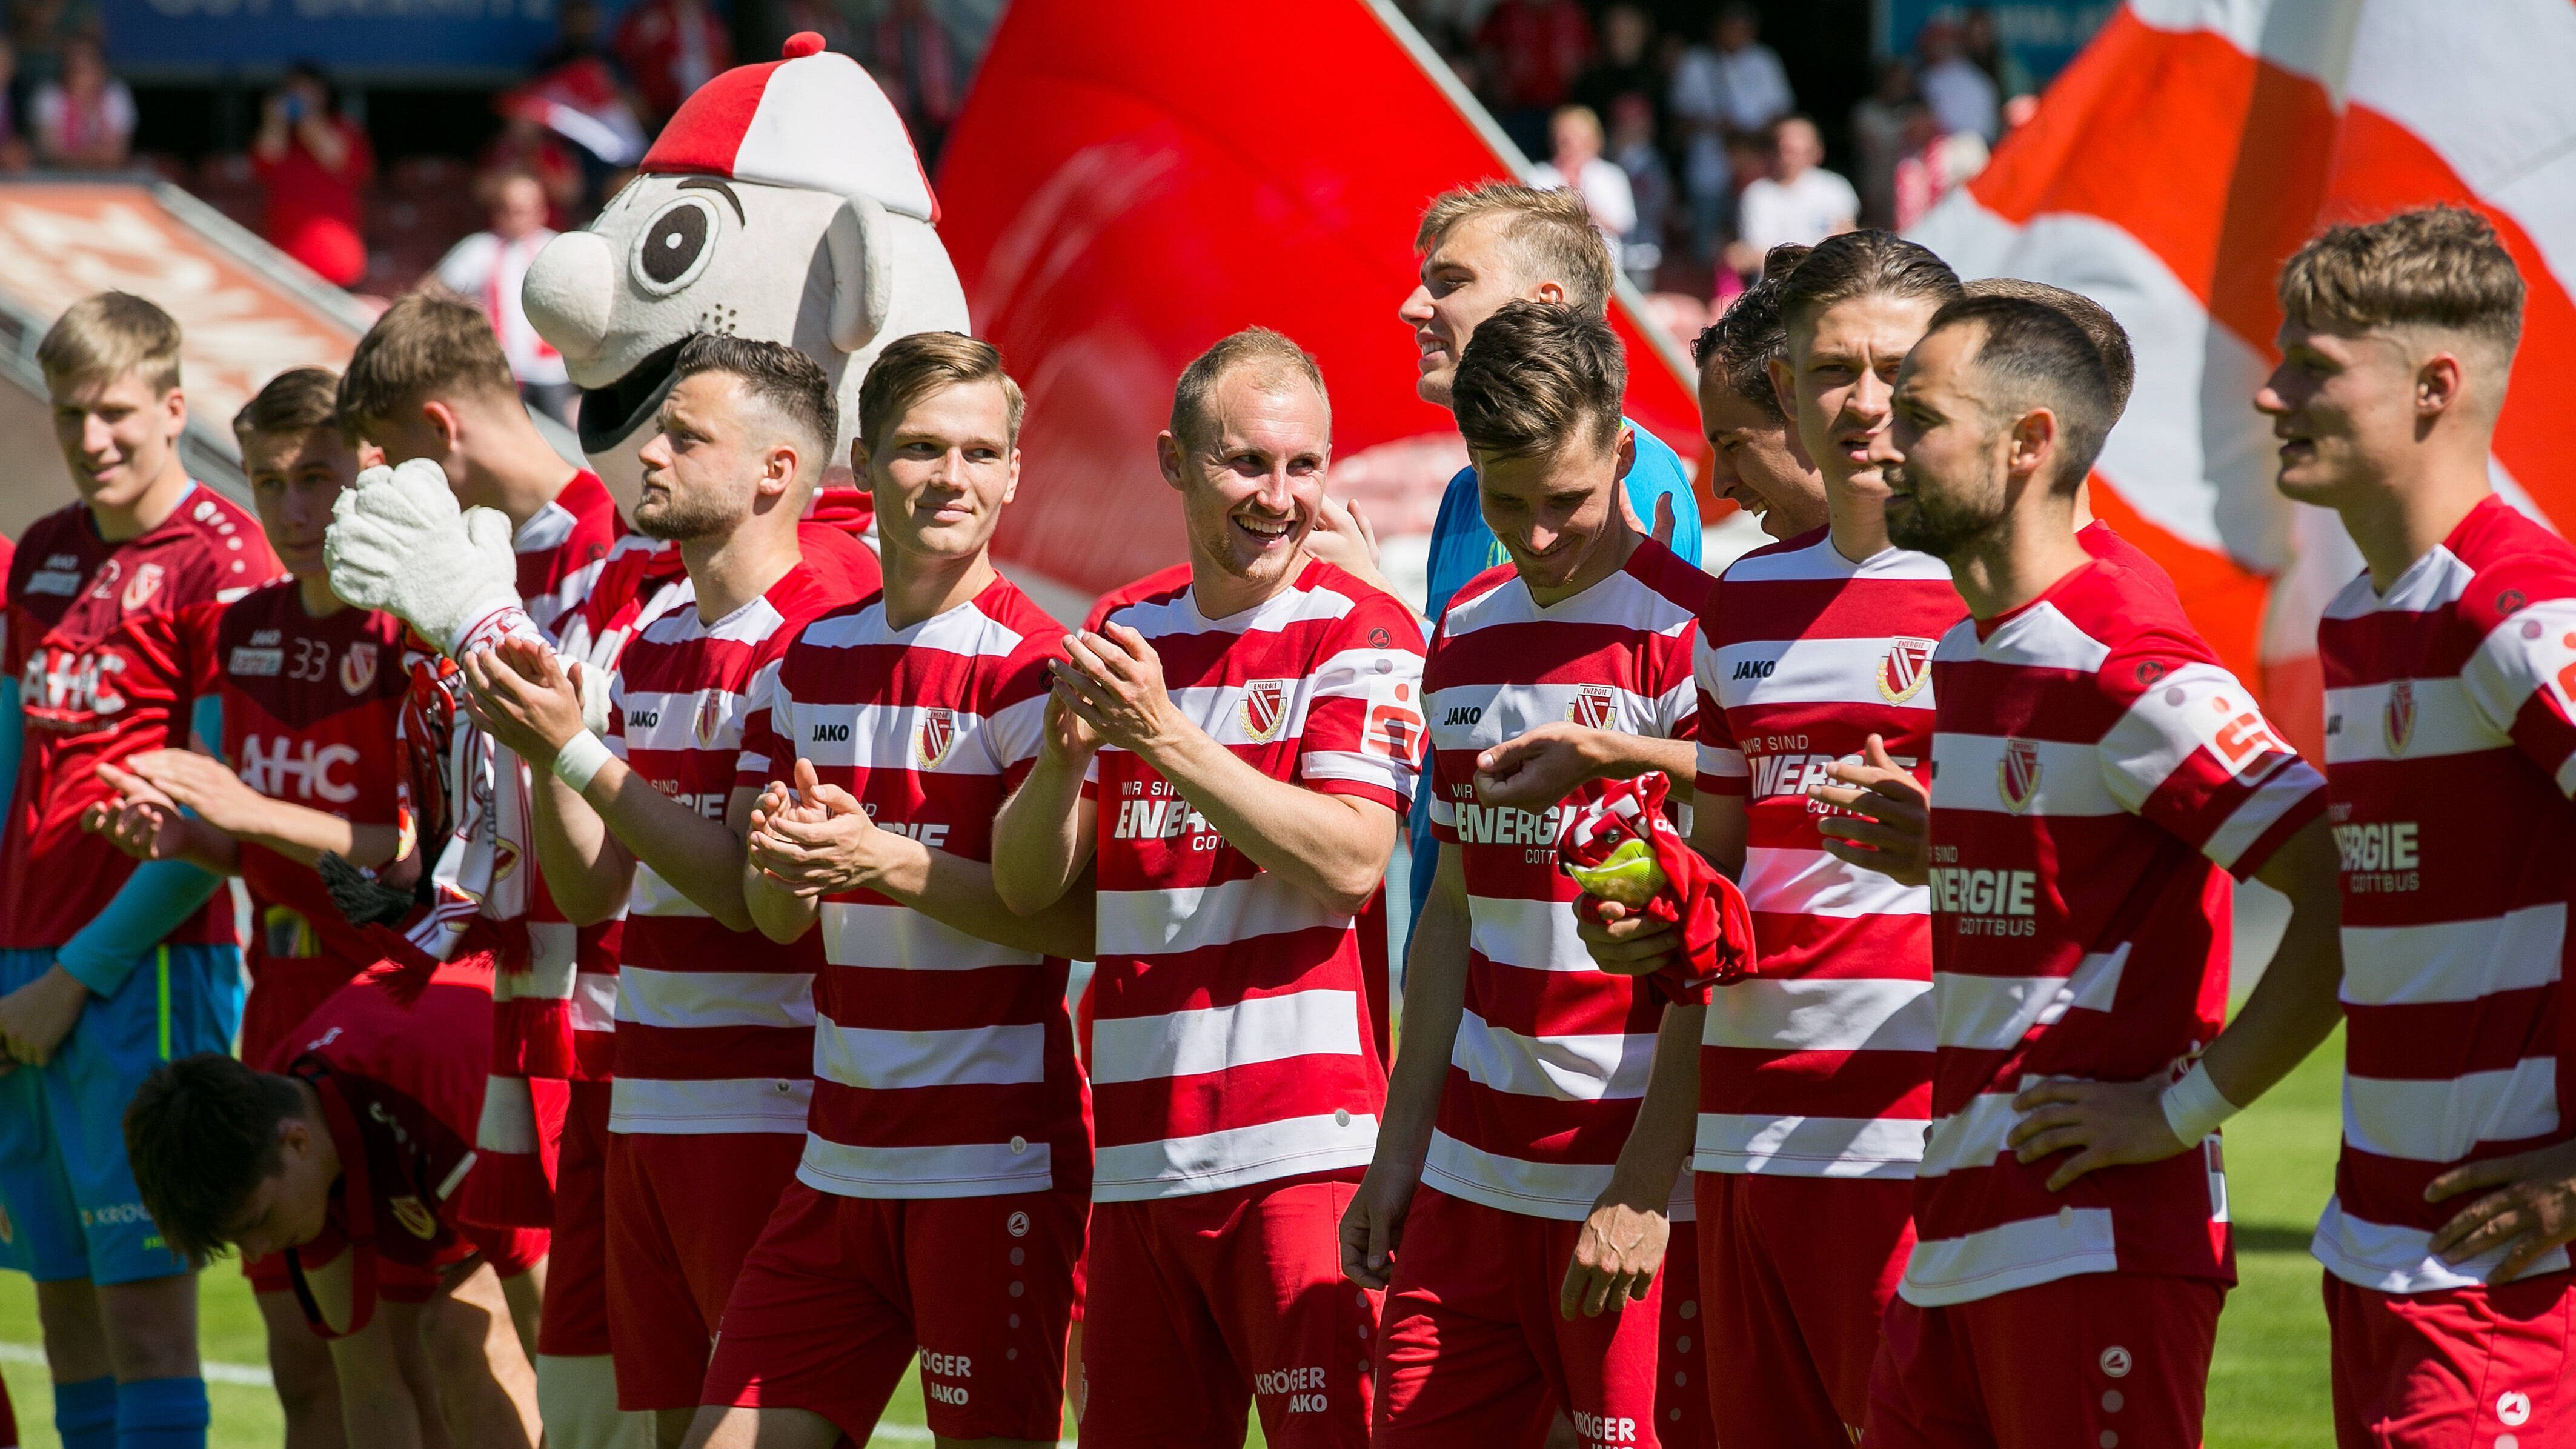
(812, 119)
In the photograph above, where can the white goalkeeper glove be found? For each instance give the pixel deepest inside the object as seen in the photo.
(398, 542)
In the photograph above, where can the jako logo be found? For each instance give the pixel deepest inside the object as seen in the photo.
(1462, 714)
(1755, 668)
(839, 733)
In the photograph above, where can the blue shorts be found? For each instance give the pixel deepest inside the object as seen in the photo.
(68, 1205)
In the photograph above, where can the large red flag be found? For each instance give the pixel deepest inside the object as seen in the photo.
(2179, 161)
(1131, 181)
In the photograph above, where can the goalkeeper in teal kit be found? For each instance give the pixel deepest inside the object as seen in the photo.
(108, 968)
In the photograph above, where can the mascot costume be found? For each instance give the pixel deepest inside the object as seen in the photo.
(783, 202)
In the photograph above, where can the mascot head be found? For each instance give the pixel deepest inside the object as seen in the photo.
(783, 202)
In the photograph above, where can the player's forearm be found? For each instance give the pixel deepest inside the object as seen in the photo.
(1624, 757)
(1718, 828)
(776, 911)
(1040, 843)
(1435, 998)
(958, 893)
(209, 849)
(1316, 842)
(377, 1404)
(701, 858)
(587, 872)
(304, 834)
(2296, 1005)
(1667, 1119)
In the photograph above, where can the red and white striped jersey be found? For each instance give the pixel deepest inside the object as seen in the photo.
(1820, 1063)
(715, 1027)
(1231, 1040)
(943, 1064)
(562, 547)
(2451, 754)
(1552, 1055)
(2095, 776)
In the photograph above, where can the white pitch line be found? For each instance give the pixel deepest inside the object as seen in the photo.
(254, 1377)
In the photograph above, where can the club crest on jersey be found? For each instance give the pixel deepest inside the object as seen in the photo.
(937, 737)
(2017, 775)
(1265, 709)
(358, 667)
(416, 1219)
(1595, 706)
(140, 588)
(2398, 719)
(1905, 670)
(710, 718)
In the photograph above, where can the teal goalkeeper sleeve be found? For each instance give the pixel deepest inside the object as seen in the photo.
(155, 899)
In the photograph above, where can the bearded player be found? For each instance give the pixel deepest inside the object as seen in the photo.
(110, 644)
(2095, 770)
(940, 1205)
(1234, 756)
(715, 1036)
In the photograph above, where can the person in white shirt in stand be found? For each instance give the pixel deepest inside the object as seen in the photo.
(1579, 167)
(1735, 85)
(1962, 97)
(1800, 203)
(487, 269)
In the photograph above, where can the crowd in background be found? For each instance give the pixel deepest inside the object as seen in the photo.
(1691, 146)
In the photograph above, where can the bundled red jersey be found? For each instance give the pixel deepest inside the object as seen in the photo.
(310, 707)
(1231, 1040)
(110, 643)
(2451, 754)
(2096, 775)
(1552, 1055)
(943, 1064)
(715, 1028)
(1821, 1064)
(563, 546)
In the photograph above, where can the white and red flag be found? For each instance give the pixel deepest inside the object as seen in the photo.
(2179, 161)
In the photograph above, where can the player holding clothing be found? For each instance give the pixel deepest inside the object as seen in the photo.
(940, 1206)
(105, 963)
(1519, 1194)
(715, 1034)
(343, 1160)
(1234, 756)
(2094, 769)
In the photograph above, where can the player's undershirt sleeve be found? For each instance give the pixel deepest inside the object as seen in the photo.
(13, 739)
(154, 900)
(206, 717)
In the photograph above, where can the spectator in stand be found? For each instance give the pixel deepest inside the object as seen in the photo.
(1878, 134)
(1962, 97)
(1575, 164)
(1626, 67)
(1934, 165)
(669, 49)
(1800, 203)
(41, 29)
(1530, 52)
(316, 165)
(526, 147)
(488, 268)
(910, 54)
(1732, 87)
(1982, 41)
(85, 120)
(1632, 146)
(14, 154)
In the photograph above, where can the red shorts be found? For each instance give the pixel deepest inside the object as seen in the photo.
(1477, 1350)
(1798, 1271)
(842, 1293)
(575, 1321)
(1202, 1306)
(683, 1212)
(2483, 1367)
(2097, 1359)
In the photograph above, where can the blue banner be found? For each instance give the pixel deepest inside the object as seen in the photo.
(415, 36)
(2043, 34)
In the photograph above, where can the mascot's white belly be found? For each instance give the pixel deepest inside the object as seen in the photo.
(807, 223)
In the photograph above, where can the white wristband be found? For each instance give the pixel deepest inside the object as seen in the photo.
(579, 760)
(2194, 1106)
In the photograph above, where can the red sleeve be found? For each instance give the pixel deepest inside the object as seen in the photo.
(1364, 728)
